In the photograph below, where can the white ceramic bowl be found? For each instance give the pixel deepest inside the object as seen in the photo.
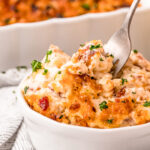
(47, 134)
(21, 43)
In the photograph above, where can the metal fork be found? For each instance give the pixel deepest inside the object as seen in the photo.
(120, 43)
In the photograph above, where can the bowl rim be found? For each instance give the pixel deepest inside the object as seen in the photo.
(72, 19)
(39, 116)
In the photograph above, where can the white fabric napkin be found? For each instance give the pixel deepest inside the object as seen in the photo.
(13, 133)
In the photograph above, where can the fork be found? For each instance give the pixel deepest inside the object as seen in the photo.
(120, 43)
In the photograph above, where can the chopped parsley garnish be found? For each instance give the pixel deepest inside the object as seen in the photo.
(95, 46)
(59, 72)
(135, 51)
(133, 92)
(13, 91)
(103, 105)
(26, 89)
(45, 71)
(82, 45)
(86, 6)
(146, 104)
(47, 54)
(7, 21)
(111, 55)
(36, 65)
(110, 121)
(61, 117)
(123, 101)
(21, 67)
(133, 101)
(101, 59)
(123, 81)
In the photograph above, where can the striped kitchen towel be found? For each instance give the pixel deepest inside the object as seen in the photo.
(13, 134)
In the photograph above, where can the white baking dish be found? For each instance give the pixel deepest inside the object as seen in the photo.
(21, 43)
(47, 134)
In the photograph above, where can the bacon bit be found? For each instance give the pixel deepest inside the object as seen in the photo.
(75, 106)
(140, 57)
(44, 103)
(93, 108)
(31, 89)
(117, 100)
(85, 78)
(51, 88)
(91, 53)
(80, 121)
(121, 92)
(38, 88)
(75, 88)
(139, 77)
(138, 66)
(98, 94)
(53, 116)
(80, 57)
(59, 93)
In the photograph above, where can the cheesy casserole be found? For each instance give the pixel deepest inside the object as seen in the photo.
(80, 90)
(20, 11)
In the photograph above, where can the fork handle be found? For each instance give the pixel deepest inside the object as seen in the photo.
(128, 19)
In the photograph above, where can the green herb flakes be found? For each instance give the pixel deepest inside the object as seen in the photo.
(135, 51)
(146, 104)
(82, 45)
(13, 91)
(26, 89)
(36, 65)
(95, 46)
(101, 59)
(86, 6)
(111, 55)
(21, 67)
(45, 71)
(110, 121)
(61, 117)
(59, 72)
(47, 54)
(7, 21)
(133, 92)
(103, 105)
(123, 81)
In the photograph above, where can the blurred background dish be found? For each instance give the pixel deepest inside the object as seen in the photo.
(20, 11)
(21, 43)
